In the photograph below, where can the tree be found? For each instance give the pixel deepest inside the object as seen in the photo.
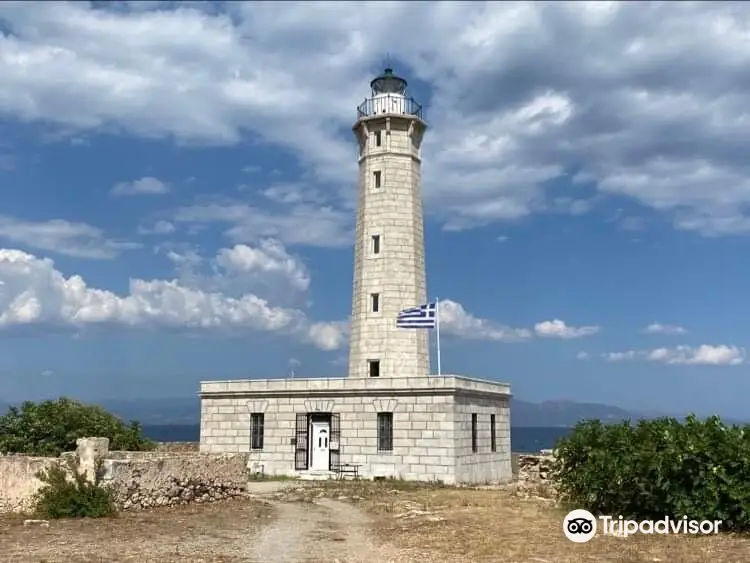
(51, 427)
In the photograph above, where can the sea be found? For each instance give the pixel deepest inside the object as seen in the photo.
(523, 439)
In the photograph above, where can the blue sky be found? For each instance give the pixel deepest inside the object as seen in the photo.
(177, 188)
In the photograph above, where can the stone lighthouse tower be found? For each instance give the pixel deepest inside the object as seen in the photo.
(389, 264)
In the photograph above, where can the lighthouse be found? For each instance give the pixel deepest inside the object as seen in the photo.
(389, 258)
(387, 417)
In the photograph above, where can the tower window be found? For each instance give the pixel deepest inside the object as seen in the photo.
(375, 302)
(493, 435)
(376, 244)
(376, 178)
(374, 368)
(378, 139)
(474, 432)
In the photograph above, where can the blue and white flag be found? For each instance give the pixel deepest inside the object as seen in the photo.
(424, 316)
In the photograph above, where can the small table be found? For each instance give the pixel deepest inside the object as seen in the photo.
(348, 469)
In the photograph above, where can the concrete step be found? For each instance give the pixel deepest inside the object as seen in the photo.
(317, 475)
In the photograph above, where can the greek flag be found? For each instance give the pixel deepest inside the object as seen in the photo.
(424, 316)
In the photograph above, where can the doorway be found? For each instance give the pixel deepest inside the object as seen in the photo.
(320, 437)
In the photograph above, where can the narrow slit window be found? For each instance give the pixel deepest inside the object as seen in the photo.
(376, 178)
(376, 244)
(378, 139)
(385, 432)
(375, 302)
(474, 432)
(374, 367)
(493, 435)
(256, 430)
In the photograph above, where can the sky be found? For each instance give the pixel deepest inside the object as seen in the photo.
(178, 186)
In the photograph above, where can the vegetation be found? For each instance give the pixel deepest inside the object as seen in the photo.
(49, 428)
(658, 468)
(68, 494)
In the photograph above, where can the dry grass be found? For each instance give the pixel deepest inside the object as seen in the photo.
(424, 523)
(216, 532)
(493, 525)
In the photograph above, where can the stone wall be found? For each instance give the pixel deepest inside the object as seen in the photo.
(533, 477)
(18, 481)
(423, 433)
(392, 210)
(484, 465)
(425, 424)
(139, 479)
(148, 481)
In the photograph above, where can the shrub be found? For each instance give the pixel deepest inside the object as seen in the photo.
(51, 427)
(657, 468)
(67, 494)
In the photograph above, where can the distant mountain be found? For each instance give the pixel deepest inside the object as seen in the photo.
(562, 413)
(186, 410)
(548, 414)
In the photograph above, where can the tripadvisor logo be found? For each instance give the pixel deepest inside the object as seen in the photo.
(580, 526)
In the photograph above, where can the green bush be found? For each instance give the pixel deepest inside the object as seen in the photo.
(62, 496)
(51, 427)
(658, 468)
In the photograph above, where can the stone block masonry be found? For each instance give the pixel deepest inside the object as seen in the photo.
(389, 416)
(389, 206)
(139, 479)
(429, 435)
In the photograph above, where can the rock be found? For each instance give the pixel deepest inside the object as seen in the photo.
(533, 480)
(41, 523)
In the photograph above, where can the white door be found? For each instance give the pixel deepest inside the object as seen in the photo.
(320, 446)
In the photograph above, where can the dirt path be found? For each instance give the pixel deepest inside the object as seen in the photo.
(281, 522)
(324, 531)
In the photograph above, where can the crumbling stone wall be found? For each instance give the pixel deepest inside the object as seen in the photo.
(139, 479)
(146, 482)
(533, 478)
(18, 481)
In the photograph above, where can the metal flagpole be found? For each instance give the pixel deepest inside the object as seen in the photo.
(437, 332)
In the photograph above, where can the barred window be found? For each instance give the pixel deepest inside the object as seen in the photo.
(385, 431)
(256, 430)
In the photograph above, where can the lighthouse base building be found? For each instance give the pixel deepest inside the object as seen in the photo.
(437, 428)
(389, 418)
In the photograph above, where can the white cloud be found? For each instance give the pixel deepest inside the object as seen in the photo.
(704, 354)
(33, 293)
(658, 328)
(662, 123)
(227, 297)
(161, 227)
(299, 224)
(145, 186)
(270, 258)
(266, 270)
(558, 329)
(583, 356)
(455, 320)
(63, 237)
